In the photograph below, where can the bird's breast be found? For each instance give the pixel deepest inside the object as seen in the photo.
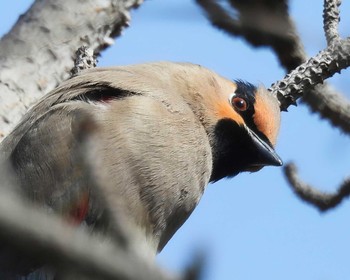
(158, 161)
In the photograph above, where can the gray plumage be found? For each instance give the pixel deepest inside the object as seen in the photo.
(152, 145)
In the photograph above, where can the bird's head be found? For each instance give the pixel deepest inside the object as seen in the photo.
(242, 122)
(245, 133)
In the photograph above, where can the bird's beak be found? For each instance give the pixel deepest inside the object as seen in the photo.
(266, 155)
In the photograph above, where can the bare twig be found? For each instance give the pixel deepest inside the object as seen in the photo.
(84, 59)
(220, 18)
(195, 270)
(321, 200)
(330, 105)
(324, 65)
(331, 20)
(260, 24)
(323, 99)
(314, 71)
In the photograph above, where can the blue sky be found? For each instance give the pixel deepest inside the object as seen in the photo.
(252, 226)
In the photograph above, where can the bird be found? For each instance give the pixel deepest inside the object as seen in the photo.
(162, 132)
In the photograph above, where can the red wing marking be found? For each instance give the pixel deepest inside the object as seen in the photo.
(107, 98)
(80, 210)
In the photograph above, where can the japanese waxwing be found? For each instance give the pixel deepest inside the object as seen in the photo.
(163, 131)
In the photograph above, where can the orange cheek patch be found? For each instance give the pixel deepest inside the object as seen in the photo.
(225, 111)
(266, 118)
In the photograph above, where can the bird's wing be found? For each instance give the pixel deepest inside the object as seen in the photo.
(47, 162)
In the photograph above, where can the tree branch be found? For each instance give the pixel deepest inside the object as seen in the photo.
(220, 18)
(312, 72)
(36, 55)
(307, 193)
(330, 105)
(261, 23)
(331, 20)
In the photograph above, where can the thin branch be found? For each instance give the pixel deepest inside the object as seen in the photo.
(311, 73)
(331, 20)
(307, 193)
(261, 24)
(320, 69)
(330, 105)
(219, 17)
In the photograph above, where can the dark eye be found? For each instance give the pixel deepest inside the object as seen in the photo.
(238, 103)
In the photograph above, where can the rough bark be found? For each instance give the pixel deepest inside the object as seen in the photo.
(38, 51)
(325, 64)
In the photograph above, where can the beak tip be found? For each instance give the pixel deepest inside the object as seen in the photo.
(276, 161)
(273, 159)
(279, 162)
